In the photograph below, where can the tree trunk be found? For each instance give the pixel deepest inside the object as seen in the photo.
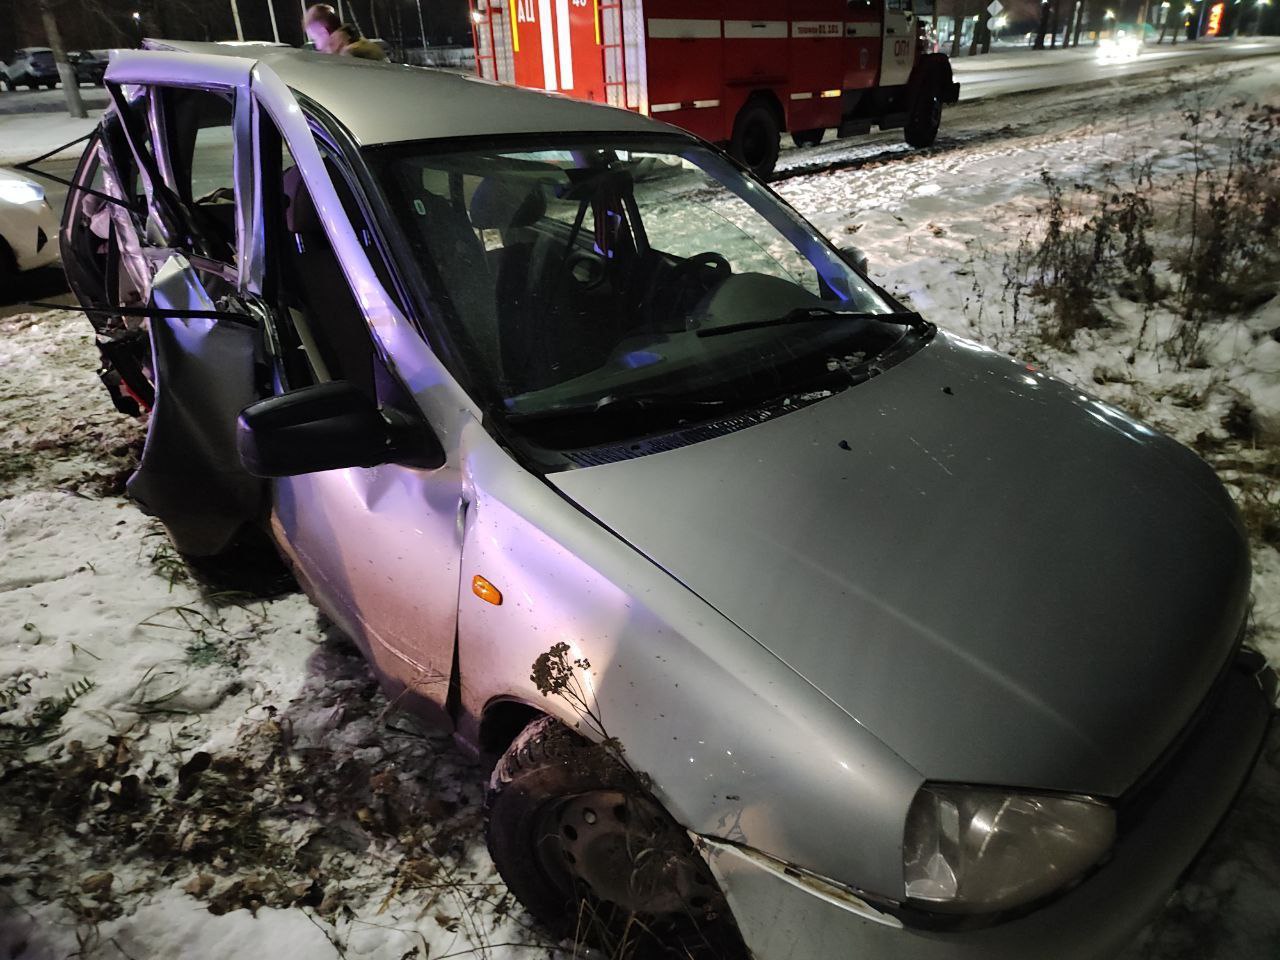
(1044, 24)
(1053, 30)
(1080, 8)
(980, 43)
(235, 15)
(957, 26)
(373, 16)
(66, 72)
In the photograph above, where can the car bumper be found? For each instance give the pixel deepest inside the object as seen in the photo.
(31, 231)
(783, 918)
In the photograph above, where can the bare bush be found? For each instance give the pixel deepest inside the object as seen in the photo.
(1217, 227)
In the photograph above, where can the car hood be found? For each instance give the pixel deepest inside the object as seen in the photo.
(1005, 580)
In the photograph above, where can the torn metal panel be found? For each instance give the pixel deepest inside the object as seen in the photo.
(190, 475)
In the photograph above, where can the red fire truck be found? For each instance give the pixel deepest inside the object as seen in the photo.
(736, 72)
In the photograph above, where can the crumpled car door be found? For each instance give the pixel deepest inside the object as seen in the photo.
(206, 336)
(204, 370)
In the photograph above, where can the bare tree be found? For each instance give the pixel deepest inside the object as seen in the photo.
(66, 72)
(957, 20)
(1044, 24)
(1081, 7)
(981, 42)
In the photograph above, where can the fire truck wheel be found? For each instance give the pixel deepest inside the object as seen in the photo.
(808, 138)
(925, 117)
(755, 138)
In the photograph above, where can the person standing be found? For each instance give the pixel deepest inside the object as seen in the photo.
(331, 35)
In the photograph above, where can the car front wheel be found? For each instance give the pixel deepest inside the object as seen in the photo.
(755, 142)
(588, 850)
(925, 117)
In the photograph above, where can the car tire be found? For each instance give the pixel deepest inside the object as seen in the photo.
(808, 138)
(8, 264)
(921, 128)
(756, 136)
(562, 815)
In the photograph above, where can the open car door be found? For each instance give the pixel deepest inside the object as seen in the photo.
(180, 120)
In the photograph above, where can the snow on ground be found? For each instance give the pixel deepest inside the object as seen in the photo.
(28, 136)
(186, 774)
(197, 775)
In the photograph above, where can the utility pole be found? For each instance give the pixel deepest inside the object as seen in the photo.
(66, 72)
(422, 28)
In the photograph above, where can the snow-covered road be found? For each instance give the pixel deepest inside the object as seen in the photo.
(210, 776)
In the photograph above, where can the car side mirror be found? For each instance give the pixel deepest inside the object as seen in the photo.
(329, 426)
(854, 257)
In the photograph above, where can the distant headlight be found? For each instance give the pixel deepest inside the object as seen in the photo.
(21, 191)
(976, 849)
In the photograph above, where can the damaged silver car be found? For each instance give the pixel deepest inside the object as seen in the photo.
(797, 627)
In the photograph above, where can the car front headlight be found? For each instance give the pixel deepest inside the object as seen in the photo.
(977, 849)
(20, 191)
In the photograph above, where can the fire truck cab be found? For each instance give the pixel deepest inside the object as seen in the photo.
(735, 72)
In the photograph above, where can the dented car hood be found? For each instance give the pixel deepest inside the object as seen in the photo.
(1005, 580)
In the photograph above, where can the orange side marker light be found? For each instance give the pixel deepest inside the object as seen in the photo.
(485, 590)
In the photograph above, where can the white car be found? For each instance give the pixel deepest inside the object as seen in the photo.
(28, 227)
(1120, 47)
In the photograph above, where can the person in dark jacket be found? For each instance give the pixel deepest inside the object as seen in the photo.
(331, 35)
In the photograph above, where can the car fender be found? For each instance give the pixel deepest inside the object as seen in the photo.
(738, 745)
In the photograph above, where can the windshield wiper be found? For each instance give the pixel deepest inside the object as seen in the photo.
(618, 402)
(808, 314)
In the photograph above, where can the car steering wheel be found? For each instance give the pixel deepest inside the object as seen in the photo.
(709, 263)
(702, 271)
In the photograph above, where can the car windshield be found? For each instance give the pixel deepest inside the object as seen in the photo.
(579, 278)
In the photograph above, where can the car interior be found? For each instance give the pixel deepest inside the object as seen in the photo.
(548, 270)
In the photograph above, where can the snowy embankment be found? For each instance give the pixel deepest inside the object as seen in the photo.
(209, 776)
(32, 135)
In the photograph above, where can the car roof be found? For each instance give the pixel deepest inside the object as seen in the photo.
(33, 50)
(383, 103)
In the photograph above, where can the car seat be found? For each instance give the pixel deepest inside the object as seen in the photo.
(314, 276)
